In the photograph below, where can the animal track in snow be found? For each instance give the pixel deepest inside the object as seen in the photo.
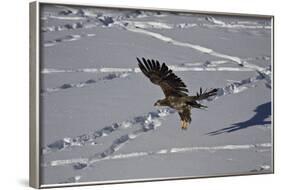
(149, 121)
(83, 84)
(67, 38)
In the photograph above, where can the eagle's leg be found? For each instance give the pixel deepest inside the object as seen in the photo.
(184, 124)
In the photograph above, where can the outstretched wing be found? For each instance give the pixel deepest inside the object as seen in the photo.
(162, 76)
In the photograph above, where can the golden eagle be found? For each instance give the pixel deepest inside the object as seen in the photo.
(174, 89)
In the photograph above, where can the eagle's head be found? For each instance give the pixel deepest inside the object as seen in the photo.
(157, 103)
(161, 103)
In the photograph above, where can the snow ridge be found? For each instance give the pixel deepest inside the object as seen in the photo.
(67, 38)
(137, 70)
(68, 26)
(201, 49)
(240, 25)
(85, 161)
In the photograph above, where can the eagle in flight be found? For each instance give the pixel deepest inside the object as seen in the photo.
(174, 89)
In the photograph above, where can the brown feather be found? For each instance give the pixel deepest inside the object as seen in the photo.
(171, 84)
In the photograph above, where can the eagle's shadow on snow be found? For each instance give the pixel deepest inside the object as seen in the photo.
(263, 111)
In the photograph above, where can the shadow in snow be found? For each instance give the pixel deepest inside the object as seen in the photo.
(263, 111)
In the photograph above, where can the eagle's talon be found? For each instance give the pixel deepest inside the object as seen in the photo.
(184, 125)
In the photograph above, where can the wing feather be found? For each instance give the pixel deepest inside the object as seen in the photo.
(161, 75)
(143, 68)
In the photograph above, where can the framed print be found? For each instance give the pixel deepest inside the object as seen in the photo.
(133, 94)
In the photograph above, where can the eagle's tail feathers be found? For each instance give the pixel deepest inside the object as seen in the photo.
(206, 94)
(195, 104)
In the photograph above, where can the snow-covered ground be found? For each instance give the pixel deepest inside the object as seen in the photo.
(98, 122)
